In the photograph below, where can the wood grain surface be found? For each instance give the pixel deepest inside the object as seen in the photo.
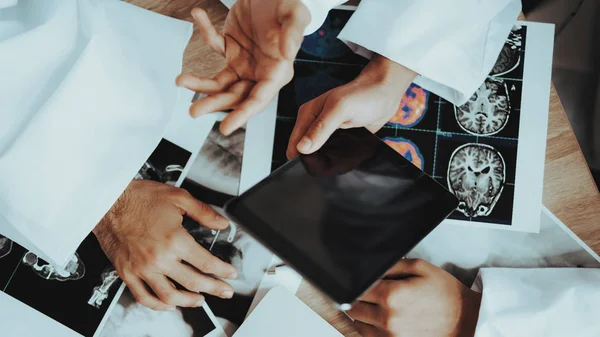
(569, 190)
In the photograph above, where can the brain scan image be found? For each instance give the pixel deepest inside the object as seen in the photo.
(100, 293)
(5, 246)
(407, 149)
(510, 55)
(412, 107)
(487, 111)
(74, 270)
(476, 175)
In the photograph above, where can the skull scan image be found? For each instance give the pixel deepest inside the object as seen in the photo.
(74, 270)
(476, 175)
(5, 246)
(510, 55)
(487, 111)
(168, 176)
(100, 292)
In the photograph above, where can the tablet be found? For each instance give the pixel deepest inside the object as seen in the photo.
(345, 214)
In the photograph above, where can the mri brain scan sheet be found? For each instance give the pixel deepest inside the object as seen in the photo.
(487, 111)
(476, 175)
(489, 151)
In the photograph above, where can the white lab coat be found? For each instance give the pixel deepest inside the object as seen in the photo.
(453, 45)
(87, 88)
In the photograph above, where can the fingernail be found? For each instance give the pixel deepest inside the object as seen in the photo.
(232, 275)
(200, 303)
(171, 309)
(304, 145)
(227, 294)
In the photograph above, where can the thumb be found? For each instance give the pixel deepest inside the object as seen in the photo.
(293, 17)
(330, 119)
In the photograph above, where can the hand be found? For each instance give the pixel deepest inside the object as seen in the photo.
(370, 100)
(143, 237)
(417, 299)
(260, 40)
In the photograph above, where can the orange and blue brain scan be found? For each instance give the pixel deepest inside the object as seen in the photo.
(412, 107)
(407, 149)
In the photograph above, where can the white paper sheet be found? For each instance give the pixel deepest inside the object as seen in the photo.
(462, 251)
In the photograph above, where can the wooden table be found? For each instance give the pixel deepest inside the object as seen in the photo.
(569, 190)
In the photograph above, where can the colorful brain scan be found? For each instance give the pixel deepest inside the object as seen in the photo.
(412, 107)
(407, 149)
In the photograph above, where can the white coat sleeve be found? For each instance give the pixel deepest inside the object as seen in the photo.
(451, 44)
(549, 302)
(87, 89)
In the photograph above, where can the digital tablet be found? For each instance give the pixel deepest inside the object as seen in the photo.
(345, 214)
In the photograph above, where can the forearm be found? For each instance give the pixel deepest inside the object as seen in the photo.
(387, 72)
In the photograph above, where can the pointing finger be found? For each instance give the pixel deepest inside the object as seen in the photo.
(199, 211)
(209, 33)
(293, 17)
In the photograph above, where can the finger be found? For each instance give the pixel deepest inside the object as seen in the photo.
(144, 297)
(322, 128)
(367, 330)
(168, 294)
(194, 281)
(293, 17)
(306, 116)
(203, 260)
(260, 96)
(215, 40)
(221, 101)
(369, 313)
(199, 211)
(221, 82)
(410, 267)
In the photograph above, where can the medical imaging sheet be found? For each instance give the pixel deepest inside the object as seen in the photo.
(489, 152)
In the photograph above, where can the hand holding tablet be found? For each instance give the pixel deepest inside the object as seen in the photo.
(345, 214)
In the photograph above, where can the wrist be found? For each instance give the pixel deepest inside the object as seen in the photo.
(388, 73)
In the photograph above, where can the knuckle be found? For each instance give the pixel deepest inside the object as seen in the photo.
(170, 298)
(318, 125)
(193, 285)
(208, 266)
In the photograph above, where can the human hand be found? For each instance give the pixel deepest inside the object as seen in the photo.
(417, 299)
(259, 42)
(143, 237)
(370, 100)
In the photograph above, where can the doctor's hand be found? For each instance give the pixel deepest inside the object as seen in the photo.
(143, 237)
(417, 299)
(259, 42)
(368, 101)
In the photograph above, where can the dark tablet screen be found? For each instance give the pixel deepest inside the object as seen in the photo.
(345, 214)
